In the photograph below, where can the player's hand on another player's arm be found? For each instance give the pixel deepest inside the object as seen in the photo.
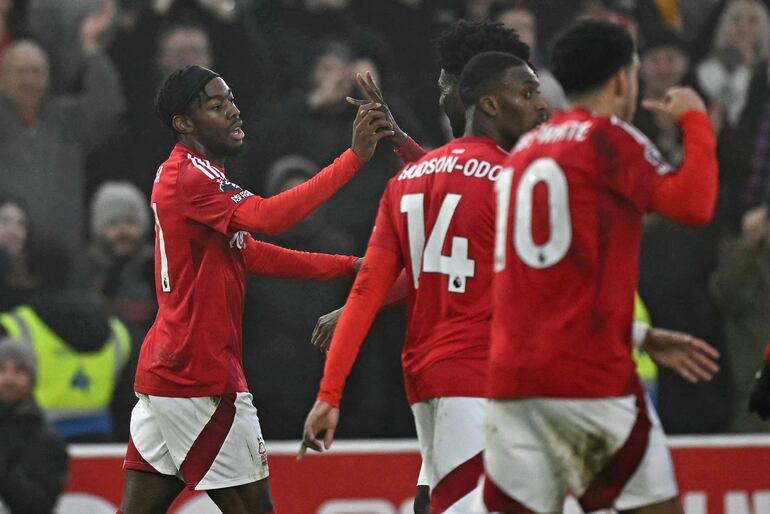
(324, 330)
(369, 127)
(373, 94)
(692, 358)
(676, 102)
(322, 418)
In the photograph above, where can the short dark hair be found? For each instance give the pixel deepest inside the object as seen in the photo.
(586, 54)
(460, 42)
(484, 73)
(179, 90)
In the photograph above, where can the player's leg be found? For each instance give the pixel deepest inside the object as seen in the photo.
(217, 446)
(252, 498)
(520, 477)
(424, 416)
(652, 488)
(151, 481)
(458, 444)
(148, 493)
(422, 500)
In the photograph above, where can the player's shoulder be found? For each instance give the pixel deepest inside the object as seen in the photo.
(193, 168)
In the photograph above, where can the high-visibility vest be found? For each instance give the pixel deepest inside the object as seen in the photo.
(645, 367)
(73, 389)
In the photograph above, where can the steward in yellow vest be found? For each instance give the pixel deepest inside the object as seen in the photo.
(80, 352)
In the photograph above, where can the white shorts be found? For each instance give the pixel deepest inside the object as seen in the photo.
(608, 452)
(451, 435)
(209, 442)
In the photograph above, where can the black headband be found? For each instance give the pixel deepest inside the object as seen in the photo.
(181, 88)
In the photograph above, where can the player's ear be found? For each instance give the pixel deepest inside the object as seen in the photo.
(620, 82)
(489, 105)
(182, 124)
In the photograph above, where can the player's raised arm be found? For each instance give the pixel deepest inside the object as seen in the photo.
(275, 261)
(275, 214)
(689, 194)
(406, 148)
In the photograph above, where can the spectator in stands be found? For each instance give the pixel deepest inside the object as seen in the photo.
(317, 122)
(16, 279)
(120, 265)
(135, 152)
(283, 312)
(80, 352)
(676, 262)
(523, 21)
(44, 139)
(60, 28)
(12, 23)
(664, 63)
(33, 459)
(740, 43)
(741, 286)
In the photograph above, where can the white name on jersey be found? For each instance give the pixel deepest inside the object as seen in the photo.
(548, 133)
(447, 164)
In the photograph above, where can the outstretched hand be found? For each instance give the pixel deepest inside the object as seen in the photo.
(324, 330)
(676, 102)
(690, 357)
(322, 418)
(373, 94)
(369, 127)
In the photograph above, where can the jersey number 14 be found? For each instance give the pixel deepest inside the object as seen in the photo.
(427, 257)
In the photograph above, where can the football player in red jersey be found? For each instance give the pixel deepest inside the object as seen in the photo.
(436, 220)
(566, 410)
(689, 356)
(194, 423)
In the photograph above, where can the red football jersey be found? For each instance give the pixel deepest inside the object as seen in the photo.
(438, 215)
(570, 207)
(194, 346)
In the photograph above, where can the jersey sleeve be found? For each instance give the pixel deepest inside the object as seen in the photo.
(633, 167)
(410, 151)
(275, 214)
(208, 197)
(275, 261)
(384, 233)
(629, 163)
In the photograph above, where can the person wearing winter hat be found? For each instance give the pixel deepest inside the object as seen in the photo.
(119, 265)
(119, 218)
(33, 459)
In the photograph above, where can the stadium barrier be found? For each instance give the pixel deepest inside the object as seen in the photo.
(716, 475)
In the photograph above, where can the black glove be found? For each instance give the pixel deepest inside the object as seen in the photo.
(759, 401)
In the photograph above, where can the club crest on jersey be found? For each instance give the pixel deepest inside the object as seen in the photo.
(226, 186)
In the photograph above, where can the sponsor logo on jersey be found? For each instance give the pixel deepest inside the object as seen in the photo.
(240, 196)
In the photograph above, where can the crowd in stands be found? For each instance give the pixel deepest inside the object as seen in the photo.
(80, 144)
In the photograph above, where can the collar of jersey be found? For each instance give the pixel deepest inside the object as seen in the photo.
(184, 149)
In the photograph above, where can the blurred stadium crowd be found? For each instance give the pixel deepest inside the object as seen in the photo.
(80, 143)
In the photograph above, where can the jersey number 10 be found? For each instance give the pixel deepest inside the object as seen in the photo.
(427, 257)
(549, 253)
